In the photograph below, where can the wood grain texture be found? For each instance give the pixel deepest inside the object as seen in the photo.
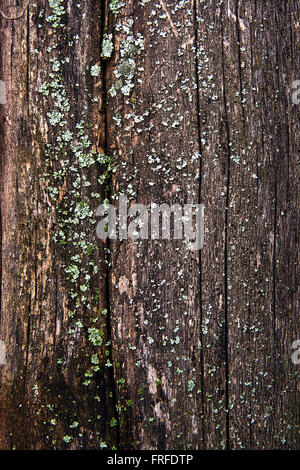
(53, 271)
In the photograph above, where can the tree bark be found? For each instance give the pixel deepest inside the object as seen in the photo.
(146, 344)
(55, 388)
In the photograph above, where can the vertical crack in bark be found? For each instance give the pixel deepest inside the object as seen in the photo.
(199, 202)
(55, 314)
(34, 240)
(1, 175)
(28, 63)
(239, 62)
(274, 259)
(1, 230)
(28, 329)
(104, 140)
(276, 170)
(226, 234)
(274, 274)
(238, 38)
(249, 308)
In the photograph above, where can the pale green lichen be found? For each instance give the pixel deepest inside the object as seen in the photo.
(67, 159)
(95, 70)
(107, 46)
(58, 11)
(191, 385)
(113, 422)
(95, 336)
(115, 5)
(125, 71)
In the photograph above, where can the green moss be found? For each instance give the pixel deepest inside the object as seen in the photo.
(113, 422)
(58, 11)
(71, 192)
(96, 336)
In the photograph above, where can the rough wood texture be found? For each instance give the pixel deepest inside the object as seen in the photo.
(53, 272)
(144, 344)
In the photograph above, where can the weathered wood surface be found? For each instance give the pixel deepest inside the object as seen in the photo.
(143, 344)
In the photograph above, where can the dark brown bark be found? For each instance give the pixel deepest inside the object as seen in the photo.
(47, 336)
(192, 105)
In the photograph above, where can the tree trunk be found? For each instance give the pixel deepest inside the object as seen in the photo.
(145, 343)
